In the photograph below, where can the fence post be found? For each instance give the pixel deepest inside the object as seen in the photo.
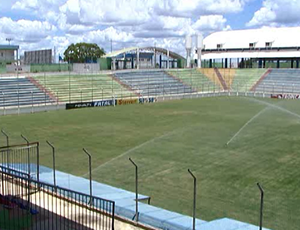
(28, 191)
(28, 153)
(69, 87)
(7, 137)
(18, 102)
(136, 191)
(53, 157)
(4, 112)
(31, 102)
(92, 88)
(38, 162)
(194, 199)
(90, 172)
(57, 100)
(7, 144)
(261, 206)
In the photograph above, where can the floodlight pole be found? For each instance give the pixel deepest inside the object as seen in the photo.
(136, 191)
(90, 172)
(53, 156)
(28, 153)
(194, 199)
(261, 206)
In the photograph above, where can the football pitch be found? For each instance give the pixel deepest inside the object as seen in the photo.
(229, 143)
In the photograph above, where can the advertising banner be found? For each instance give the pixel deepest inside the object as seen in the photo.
(147, 100)
(285, 96)
(79, 105)
(127, 101)
(103, 103)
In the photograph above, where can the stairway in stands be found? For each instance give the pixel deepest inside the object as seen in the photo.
(153, 83)
(280, 81)
(21, 91)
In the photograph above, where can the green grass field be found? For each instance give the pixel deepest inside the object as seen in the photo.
(167, 138)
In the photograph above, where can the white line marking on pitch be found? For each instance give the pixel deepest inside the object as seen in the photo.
(247, 123)
(276, 107)
(133, 149)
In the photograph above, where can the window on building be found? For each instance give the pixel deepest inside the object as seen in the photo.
(268, 44)
(219, 46)
(251, 45)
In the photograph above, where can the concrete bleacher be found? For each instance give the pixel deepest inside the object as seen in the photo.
(153, 83)
(245, 79)
(83, 87)
(280, 81)
(125, 204)
(196, 79)
(19, 91)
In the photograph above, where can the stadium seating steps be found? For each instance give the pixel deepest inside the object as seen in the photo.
(154, 83)
(77, 88)
(280, 81)
(21, 91)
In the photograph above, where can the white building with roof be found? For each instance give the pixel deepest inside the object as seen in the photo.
(8, 53)
(262, 48)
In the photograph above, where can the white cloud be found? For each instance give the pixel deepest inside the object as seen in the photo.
(116, 12)
(25, 30)
(26, 5)
(277, 13)
(211, 23)
(127, 22)
(190, 8)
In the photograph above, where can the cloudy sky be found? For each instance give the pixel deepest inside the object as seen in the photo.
(41, 24)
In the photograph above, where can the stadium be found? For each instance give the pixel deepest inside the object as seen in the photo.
(144, 138)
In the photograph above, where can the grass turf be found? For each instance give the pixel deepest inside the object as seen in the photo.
(165, 139)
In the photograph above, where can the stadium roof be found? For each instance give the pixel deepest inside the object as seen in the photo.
(240, 39)
(9, 47)
(133, 49)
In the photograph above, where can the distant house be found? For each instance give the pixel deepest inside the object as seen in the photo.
(8, 54)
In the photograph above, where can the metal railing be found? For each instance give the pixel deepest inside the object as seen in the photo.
(30, 204)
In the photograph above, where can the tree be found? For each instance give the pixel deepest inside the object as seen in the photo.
(83, 53)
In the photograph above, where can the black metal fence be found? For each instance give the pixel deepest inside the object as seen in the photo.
(28, 204)
(23, 158)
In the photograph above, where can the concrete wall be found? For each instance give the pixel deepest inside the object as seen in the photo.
(86, 67)
(7, 55)
(20, 69)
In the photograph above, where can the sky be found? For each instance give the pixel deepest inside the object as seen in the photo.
(45, 24)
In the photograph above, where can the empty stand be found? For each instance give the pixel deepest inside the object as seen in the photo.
(196, 79)
(280, 81)
(245, 79)
(77, 88)
(154, 83)
(21, 91)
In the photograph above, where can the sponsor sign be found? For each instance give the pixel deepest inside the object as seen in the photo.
(285, 96)
(147, 100)
(109, 103)
(79, 105)
(104, 103)
(127, 101)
